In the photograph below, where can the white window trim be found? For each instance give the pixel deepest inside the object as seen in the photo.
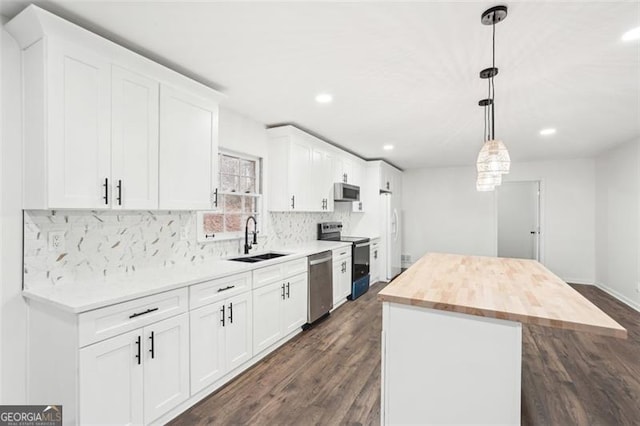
(201, 236)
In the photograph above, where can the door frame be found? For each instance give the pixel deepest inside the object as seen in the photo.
(541, 216)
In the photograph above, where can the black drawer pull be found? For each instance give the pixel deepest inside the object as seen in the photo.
(137, 314)
(229, 287)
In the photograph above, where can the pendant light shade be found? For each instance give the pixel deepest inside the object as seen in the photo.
(484, 188)
(489, 178)
(493, 158)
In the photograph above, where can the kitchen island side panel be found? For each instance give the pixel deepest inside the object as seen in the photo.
(449, 368)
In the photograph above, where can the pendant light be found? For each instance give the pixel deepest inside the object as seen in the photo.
(487, 180)
(493, 159)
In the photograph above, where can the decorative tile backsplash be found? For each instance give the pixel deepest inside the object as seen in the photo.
(101, 243)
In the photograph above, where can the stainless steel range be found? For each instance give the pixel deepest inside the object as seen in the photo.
(332, 231)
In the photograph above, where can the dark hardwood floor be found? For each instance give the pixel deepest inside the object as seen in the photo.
(330, 374)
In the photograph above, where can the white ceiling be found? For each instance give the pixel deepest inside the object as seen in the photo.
(400, 73)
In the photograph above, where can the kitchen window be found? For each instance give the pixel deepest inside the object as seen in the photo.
(239, 196)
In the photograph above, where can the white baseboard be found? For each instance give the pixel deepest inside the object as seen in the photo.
(578, 281)
(624, 299)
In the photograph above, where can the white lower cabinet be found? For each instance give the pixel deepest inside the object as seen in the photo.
(111, 382)
(341, 276)
(143, 360)
(220, 339)
(279, 309)
(374, 261)
(135, 377)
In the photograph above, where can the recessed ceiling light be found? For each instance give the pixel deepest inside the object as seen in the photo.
(387, 147)
(324, 98)
(631, 35)
(547, 132)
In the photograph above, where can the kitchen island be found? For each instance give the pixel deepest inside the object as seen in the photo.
(452, 336)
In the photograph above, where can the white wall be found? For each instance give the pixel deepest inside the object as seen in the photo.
(13, 316)
(444, 212)
(618, 222)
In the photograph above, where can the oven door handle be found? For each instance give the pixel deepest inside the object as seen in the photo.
(363, 245)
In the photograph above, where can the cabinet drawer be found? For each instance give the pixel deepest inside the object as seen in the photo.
(295, 267)
(270, 274)
(107, 322)
(215, 290)
(341, 254)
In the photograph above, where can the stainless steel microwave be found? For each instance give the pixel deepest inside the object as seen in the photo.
(345, 192)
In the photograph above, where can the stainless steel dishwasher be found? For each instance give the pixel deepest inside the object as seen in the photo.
(320, 299)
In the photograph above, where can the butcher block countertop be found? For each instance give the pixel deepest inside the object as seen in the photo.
(509, 289)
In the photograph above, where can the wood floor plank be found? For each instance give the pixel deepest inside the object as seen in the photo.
(330, 374)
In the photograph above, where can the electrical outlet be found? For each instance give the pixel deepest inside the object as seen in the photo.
(56, 241)
(184, 233)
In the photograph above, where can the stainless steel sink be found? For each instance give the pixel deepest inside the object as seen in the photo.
(258, 258)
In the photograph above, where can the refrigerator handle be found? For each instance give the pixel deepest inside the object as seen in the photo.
(394, 225)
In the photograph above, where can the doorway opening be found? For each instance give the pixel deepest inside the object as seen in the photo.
(519, 225)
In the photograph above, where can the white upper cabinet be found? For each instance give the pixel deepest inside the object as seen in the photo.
(303, 170)
(92, 116)
(67, 126)
(188, 150)
(134, 140)
(290, 171)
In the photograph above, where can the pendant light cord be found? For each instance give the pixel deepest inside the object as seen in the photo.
(493, 87)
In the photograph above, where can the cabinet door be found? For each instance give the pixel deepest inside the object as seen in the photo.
(317, 187)
(134, 140)
(238, 342)
(337, 282)
(79, 124)
(188, 150)
(374, 264)
(295, 303)
(166, 366)
(111, 381)
(299, 176)
(207, 346)
(346, 279)
(267, 315)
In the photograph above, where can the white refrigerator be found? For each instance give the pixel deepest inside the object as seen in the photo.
(391, 238)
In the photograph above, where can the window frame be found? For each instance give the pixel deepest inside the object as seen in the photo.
(201, 236)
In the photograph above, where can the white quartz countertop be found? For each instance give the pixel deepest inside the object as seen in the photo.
(87, 295)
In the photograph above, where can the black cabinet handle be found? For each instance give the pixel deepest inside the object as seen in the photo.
(222, 311)
(137, 314)
(119, 192)
(293, 202)
(388, 186)
(288, 288)
(230, 313)
(215, 197)
(282, 291)
(138, 351)
(106, 191)
(229, 287)
(152, 350)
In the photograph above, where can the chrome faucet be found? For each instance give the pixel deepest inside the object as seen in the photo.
(247, 246)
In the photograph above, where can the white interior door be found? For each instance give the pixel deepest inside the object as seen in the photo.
(519, 220)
